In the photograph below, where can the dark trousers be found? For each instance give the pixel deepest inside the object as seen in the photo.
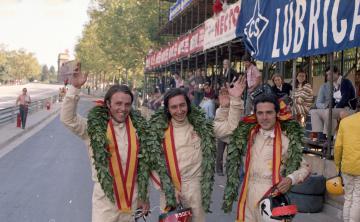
(220, 156)
(23, 115)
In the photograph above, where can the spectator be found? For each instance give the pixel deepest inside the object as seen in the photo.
(199, 84)
(161, 83)
(229, 74)
(344, 94)
(346, 113)
(24, 101)
(347, 160)
(207, 103)
(253, 77)
(303, 97)
(172, 82)
(179, 82)
(280, 88)
(322, 103)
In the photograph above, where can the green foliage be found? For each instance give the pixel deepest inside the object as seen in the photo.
(117, 38)
(237, 148)
(204, 128)
(17, 65)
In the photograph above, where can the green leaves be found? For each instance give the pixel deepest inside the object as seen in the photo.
(98, 119)
(237, 148)
(204, 128)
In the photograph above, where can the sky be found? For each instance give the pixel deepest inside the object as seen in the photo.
(43, 27)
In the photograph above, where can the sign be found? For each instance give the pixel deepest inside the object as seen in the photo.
(197, 40)
(183, 46)
(178, 7)
(221, 28)
(279, 30)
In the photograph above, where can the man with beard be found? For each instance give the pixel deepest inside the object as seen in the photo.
(112, 133)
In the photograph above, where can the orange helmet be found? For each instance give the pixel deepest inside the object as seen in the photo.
(335, 186)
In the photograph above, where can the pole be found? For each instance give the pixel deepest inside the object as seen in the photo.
(329, 131)
(342, 62)
(229, 51)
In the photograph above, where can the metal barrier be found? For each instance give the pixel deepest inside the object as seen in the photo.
(8, 115)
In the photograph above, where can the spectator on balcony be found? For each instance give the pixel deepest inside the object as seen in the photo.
(23, 101)
(179, 82)
(253, 78)
(207, 103)
(343, 97)
(322, 103)
(303, 97)
(280, 88)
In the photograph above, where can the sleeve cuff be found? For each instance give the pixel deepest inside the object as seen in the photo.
(73, 91)
(292, 179)
(235, 100)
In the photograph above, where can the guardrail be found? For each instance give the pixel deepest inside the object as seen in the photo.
(9, 114)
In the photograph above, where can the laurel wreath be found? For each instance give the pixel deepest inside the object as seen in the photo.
(98, 119)
(237, 149)
(204, 128)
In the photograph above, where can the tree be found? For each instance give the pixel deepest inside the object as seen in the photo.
(117, 39)
(45, 73)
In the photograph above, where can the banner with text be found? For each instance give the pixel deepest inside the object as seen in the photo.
(221, 28)
(279, 30)
(177, 7)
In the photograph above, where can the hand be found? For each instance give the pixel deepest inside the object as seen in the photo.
(145, 206)
(239, 87)
(78, 78)
(224, 98)
(284, 185)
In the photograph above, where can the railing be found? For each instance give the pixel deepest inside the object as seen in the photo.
(9, 114)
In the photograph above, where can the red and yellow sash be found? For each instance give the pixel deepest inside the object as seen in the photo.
(277, 147)
(171, 159)
(124, 182)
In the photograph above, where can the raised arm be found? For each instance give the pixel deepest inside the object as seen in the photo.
(231, 108)
(68, 115)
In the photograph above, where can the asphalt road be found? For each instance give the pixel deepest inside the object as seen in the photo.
(47, 179)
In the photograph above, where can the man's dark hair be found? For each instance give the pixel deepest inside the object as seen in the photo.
(115, 89)
(336, 70)
(172, 93)
(267, 98)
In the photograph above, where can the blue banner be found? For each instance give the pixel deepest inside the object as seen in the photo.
(279, 30)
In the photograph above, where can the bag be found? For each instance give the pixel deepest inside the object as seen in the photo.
(307, 203)
(263, 89)
(313, 185)
(18, 120)
(309, 195)
(179, 214)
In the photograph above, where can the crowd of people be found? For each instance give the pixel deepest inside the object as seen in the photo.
(177, 147)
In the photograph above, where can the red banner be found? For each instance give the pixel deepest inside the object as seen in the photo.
(197, 40)
(182, 47)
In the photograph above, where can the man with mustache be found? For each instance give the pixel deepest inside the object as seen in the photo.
(112, 133)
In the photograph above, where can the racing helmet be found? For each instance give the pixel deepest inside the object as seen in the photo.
(275, 208)
(334, 185)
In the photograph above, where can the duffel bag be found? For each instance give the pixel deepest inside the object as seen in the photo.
(313, 185)
(307, 203)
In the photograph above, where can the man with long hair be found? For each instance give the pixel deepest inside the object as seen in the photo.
(183, 146)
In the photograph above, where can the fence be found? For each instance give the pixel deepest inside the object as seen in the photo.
(9, 114)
